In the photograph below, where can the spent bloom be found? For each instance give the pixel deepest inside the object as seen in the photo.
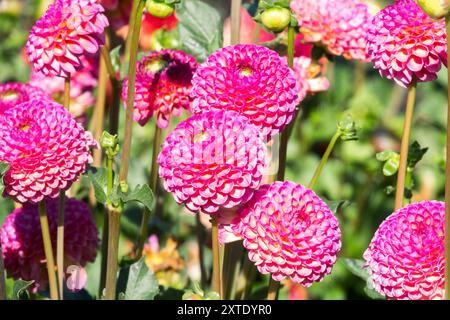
(289, 232)
(405, 44)
(163, 85)
(67, 30)
(23, 249)
(405, 258)
(47, 150)
(251, 80)
(14, 93)
(213, 160)
(339, 26)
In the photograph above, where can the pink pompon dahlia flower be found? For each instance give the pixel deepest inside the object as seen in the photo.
(289, 232)
(163, 85)
(213, 160)
(47, 150)
(251, 80)
(14, 93)
(67, 30)
(23, 249)
(339, 26)
(405, 44)
(405, 258)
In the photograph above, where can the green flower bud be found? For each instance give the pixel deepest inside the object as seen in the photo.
(159, 9)
(436, 9)
(276, 19)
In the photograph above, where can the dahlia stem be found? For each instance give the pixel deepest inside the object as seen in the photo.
(48, 250)
(201, 250)
(324, 159)
(447, 179)
(232, 257)
(249, 273)
(401, 177)
(235, 21)
(154, 187)
(287, 132)
(2, 274)
(217, 283)
(134, 44)
(130, 31)
(113, 253)
(274, 287)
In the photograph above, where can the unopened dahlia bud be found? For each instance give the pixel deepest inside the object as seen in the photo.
(276, 19)
(436, 9)
(160, 8)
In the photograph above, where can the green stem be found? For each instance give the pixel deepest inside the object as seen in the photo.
(217, 283)
(201, 250)
(2, 274)
(324, 159)
(48, 250)
(447, 179)
(401, 176)
(274, 287)
(249, 274)
(113, 253)
(154, 186)
(291, 46)
(232, 257)
(235, 21)
(136, 23)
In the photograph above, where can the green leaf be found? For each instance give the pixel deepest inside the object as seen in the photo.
(20, 289)
(142, 194)
(356, 266)
(200, 28)
(385, 155)
(371, 293)
(415, 154)
(142, 284)
(336, 205)
(391, 166)
(98, 177)
(115, 58)
(4, 167)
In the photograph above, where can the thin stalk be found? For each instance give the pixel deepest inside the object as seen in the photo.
(2, 274)
(274, 287)
(232, 258)
(113, 253)
(154, 186)
(249, 274)
(447, 179)
(401, 177)
(201, 250)
(130, 31)
(235, 21)
(324, 159)
(217, 283)
(136, 22)
(48, 250)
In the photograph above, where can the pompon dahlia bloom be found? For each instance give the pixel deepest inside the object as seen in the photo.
(404, 43)
(163, 84)
(251, 80)
(289, 232)
(213, 160)
(67, 30)
(406, 256)
(339, 26)
(46, 148)
(23, 249)
(14, 93)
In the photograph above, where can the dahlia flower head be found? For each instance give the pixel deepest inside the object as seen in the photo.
(289, 232)
(405, 258)
(23, 249)
(67, 30)
(47, 150)
(14, 93)
(212, 161)
(405, 44)
(163, 85)
(251, 80)
(339, 26)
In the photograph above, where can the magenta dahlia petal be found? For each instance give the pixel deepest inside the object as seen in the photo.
(289, 232)
(339, 26)
(14, 93)
(406, 256)
(213, 160)
(405, 44)
(46, 148)
(21, 239)
(251, 80)
(67, 30)
(163, 85)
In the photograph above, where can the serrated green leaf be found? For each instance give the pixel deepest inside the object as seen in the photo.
(20, 289)
(142, 194)
(141, 284)
(200, 27)
(356, 267)
(98, 177)
(4, 167)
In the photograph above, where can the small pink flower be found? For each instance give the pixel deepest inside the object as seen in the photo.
(405, 44)
(67, 30)
(213, 160)
(406, 256)
(311, 74)
(14, 93)
(289, 232)
(163, 85)
(23, 249)
(46, 149)
(251, 80)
